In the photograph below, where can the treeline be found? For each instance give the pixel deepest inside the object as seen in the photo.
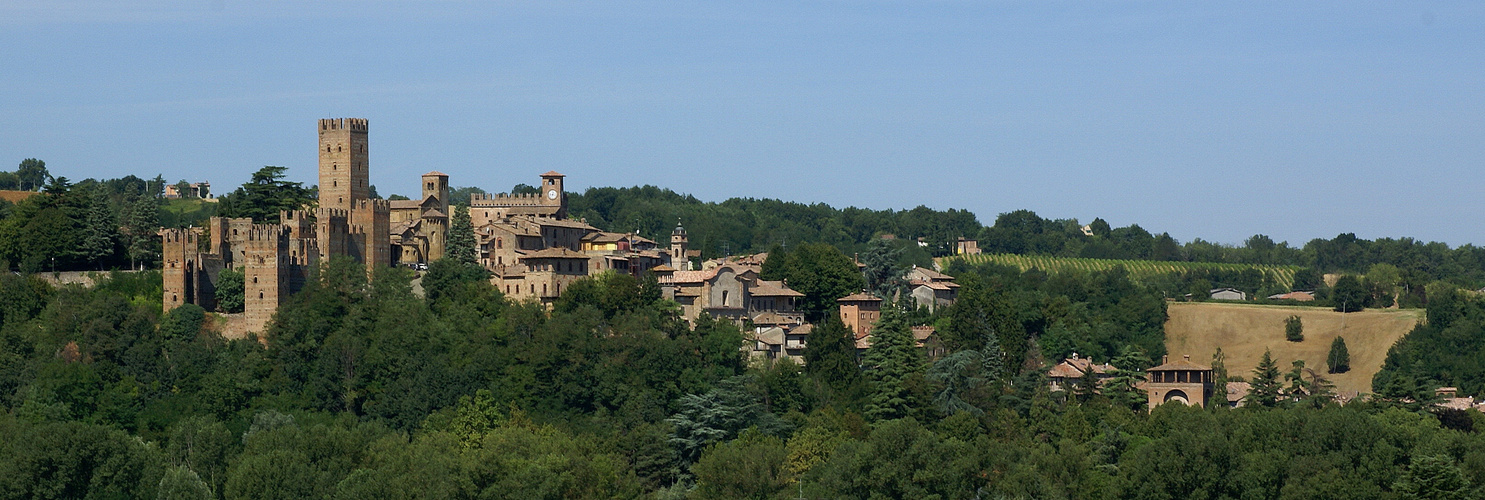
(367, 390)
(1417, 263)
(747, 225)
(1443, 351)
(90, 225)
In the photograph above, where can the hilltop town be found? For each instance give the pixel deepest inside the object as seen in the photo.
(274, 315)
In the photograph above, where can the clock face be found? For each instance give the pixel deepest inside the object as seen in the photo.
(552, 195)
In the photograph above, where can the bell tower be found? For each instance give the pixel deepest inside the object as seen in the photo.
(436, 184)
(551, 189)
(344, 172)
(678, 243)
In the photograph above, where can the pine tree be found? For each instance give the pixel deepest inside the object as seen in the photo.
(141, 222)
(1339, 360)
(460, 245)
(830, 355)
(99, 230)
(1129, 371)
(1265, 390)
(1294, 329)
(883, 275)
(892, 359)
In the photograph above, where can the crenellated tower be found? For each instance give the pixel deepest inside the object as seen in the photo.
(266, 275)
(344, 171)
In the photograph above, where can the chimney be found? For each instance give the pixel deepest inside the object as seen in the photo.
(1165, 359)
(1188, 358)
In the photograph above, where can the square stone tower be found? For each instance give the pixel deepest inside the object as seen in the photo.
(344, 172)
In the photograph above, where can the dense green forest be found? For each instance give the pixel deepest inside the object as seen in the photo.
(365, 389)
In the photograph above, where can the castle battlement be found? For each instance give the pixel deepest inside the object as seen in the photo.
(503, 200)
(352, 124)
(376, 206)
(187, 236)
(267, 232)
(332, 213)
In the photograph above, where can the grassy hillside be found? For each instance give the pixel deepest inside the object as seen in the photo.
(1138, 269)
(1245, 330)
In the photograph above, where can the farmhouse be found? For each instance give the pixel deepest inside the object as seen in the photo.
(1228, 294)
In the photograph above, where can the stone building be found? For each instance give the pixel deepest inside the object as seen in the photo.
(734, 292)
(1179, 381)
(533, 251)
(931, 289)
(859, 312)
(420, 227)
(276, 259)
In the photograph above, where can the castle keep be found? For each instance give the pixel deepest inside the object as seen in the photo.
(276, 259)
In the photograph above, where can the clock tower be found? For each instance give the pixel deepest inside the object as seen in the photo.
(551, 190)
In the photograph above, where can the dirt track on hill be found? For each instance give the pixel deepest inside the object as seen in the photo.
(1245, 330)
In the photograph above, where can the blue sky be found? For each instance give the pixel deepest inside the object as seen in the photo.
(1216, 120)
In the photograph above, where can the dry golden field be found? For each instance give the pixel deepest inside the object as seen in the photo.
(1243, 331)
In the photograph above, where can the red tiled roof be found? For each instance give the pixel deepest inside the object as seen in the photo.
(555, 253)
(859, 297)
(1180, 364)
(773, 289)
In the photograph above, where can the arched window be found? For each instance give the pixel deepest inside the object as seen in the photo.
(260, 295)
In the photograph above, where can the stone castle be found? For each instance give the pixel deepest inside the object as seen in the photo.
(532, 250)
(276, 259)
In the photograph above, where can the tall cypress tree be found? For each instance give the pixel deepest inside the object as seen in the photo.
(1219, 380)
(460, 245)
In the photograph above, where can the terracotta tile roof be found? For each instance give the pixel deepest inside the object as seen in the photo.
(771, 336)
(1181, 364)
(555, 253)
(404, 226)
(859, 297)
(662, 268)
(1075, 368)
(804, 329)
(404, 204)
(772, 318)
(773, 289)
(604, 237)
(935, 285)
(691, 276)
(921, 333)
(436, 173)
(929, 274)
(434, 213)
(1236, 391)
(552, 173)
(550, 222)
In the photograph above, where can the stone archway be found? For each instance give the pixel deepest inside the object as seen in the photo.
(1178, 396)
